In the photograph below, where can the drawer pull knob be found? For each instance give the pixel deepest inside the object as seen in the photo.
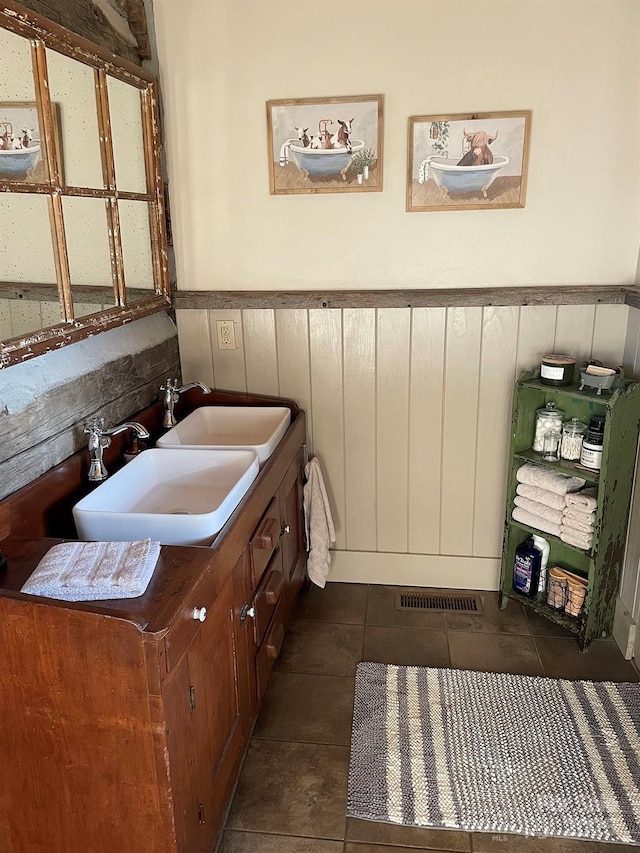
(247, 610)
(274, 588)
(274, 643)
(199, 614)
(285, 529)
(265, 538)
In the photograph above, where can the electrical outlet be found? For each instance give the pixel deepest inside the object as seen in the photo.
(226, 334)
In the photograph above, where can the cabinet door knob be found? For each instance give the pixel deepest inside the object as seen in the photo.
(247, 611)
(285, 529)
(199, 614)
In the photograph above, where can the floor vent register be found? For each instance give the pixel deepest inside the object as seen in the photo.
(462, 602)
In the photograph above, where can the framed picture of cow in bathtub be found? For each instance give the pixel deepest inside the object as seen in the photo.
(476, 161)
(325, 145)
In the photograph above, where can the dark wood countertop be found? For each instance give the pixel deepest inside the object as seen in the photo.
(179, 569)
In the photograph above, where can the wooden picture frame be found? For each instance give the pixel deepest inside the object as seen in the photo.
(325, 145)
(473, 161)
(26, 163)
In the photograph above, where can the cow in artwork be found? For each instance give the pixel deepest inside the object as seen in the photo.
(475, 148)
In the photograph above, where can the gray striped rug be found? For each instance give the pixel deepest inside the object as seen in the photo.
(496, 753)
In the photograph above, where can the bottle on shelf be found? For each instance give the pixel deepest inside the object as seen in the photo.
(591, 453)
(526, 569)
(543, 546)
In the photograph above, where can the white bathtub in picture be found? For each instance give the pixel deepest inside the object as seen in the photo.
(19, 161)
(452, 178)
(319, 161)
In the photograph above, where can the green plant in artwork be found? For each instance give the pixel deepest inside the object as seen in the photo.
(369, 156)
(363, 158)
(358, 162)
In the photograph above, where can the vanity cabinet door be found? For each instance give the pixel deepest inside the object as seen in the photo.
(208, 707)
(291, 541)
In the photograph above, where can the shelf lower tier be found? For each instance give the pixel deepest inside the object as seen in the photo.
(539, 605)
(548, 536)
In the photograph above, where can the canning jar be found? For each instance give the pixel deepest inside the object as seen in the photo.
(550, 417)
(572, 437)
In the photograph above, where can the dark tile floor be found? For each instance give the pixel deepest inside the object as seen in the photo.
(291, 794)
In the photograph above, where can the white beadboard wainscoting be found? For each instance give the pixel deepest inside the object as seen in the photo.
(408, 412)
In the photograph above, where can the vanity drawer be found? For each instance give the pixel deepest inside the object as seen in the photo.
(265, 541)
(269, 650)
(268, 596)
(184, 628)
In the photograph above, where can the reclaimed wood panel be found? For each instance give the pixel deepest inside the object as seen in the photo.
(426, 393)
(460, 415)
(260, 349)
(294, 372)
(392, 422)
(327, 413)
(41, 430)
(427, 297)
(497, 375)
(359, 331)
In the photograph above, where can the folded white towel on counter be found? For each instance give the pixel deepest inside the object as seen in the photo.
(586, 500)
(561, 484)
(541, 496)
(584, 524)
(535, 521)
(554, 515)
(321, 533)
(576, 538)
(91, 571)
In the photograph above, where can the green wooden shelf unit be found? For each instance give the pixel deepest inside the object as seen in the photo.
(601, 565)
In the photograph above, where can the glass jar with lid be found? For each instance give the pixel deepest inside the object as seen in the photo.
(547, 418)
(573, 433)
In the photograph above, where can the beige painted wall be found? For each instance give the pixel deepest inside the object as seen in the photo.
(574, 63)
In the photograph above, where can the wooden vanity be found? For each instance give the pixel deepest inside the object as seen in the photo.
(123, 723)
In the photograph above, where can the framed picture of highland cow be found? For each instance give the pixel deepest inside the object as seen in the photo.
(476, 161)
(325, 145)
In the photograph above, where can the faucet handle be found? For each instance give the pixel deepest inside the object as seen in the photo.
(169, 385)
(94, 425)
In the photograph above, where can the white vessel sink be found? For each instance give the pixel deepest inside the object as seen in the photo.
(178, 498)
(257, 428)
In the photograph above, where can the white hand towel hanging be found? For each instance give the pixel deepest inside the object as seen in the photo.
(321, 533)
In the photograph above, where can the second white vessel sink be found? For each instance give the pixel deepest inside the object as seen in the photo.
(178, 498)
(257, 428)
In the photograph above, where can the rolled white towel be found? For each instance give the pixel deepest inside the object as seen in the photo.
(553, 515)
(574, 537)
(535, 521)
(578, 524)
(542, 496)
(561, 484)
(586, 500)
(90, 571)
